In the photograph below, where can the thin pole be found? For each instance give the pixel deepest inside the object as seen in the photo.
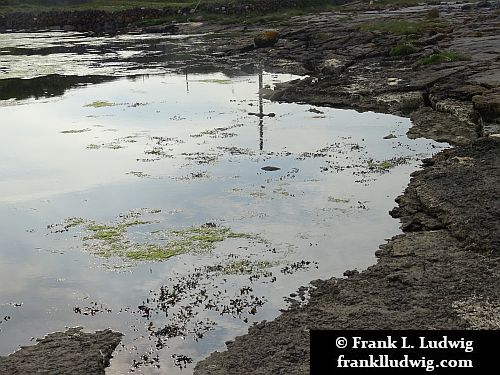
(196, 7)
(261, 112)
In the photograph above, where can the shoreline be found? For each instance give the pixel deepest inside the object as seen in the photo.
(443, 272)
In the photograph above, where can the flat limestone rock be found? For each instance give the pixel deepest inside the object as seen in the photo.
(73, 352)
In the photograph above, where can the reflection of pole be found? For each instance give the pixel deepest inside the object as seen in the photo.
(261, 112)
(197, 5)
(187, 82)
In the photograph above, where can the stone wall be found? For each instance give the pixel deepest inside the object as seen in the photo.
(103, 21)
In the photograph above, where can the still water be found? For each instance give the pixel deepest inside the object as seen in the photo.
(176, 207)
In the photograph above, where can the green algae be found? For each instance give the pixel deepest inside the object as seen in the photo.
(117, 241)
(196, 239)
(100, 104)
(281, 192)
(114, 146)
(386, 165)
(258, 194)
(382, 165)
(443, 57)
(71, 222)
(149, 252)
(111, 232)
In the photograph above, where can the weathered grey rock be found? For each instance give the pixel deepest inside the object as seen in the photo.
(160, 29)
(488, 106)
(489, 77)
(441, 126)
(64, 353)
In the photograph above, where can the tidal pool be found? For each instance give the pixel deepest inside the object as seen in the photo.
(180, 209)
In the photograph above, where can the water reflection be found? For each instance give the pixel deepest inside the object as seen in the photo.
(261, 112)
(44, 87)
(154, 158)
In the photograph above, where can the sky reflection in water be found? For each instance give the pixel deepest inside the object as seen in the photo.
(186, 149)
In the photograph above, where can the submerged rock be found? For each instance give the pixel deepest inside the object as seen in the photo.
(270, 168)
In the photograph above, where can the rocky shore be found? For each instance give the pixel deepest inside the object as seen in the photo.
(439, 274)
(444, 271)
(438, 65)
(70, 352)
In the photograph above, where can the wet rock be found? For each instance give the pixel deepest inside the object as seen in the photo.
(262, 115)
(71, 352)
(488, 106)
(483, 4)
(350, 273)
(404, 102)
(440, 211)
(433, 13)
(270, 168)
(315, 110)
(455, 192)
(160, 29)
(333, 64)
(442, 127)
(489, 77)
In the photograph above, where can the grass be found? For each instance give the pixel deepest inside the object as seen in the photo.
(108, 5)
(7, 6)
(400, 27)
(402, 49)
(275, 18)
(443, 57)
(279, 18)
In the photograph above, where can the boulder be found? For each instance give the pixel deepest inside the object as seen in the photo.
(488, 106)
(266, 38)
